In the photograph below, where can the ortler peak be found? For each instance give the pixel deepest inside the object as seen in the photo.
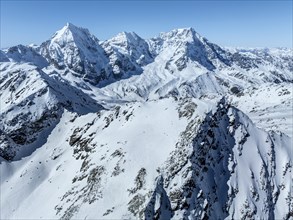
(76, 50)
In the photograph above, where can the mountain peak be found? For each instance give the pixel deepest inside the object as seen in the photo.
(77, 49)
(186, 34)
(126, 37)
(185, 30)
(127, 34)
(68, 24)
(71, 26)
(72, 33)
(74, 29)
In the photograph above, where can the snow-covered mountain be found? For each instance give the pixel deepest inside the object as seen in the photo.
(74, 48)
(128, 53)
(172, 127)
(23, 54)
(31, 105)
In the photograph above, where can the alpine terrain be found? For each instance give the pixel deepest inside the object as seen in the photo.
(172, 127)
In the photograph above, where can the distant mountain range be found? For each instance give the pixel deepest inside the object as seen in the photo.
(172, 127)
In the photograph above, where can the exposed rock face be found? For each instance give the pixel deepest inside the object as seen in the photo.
(226, 147)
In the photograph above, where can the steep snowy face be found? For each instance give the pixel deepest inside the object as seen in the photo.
(76, 49)
(31, 106)
(262, 65)
(24, 54)
(127, 53)
(180, 46)
(188, 65)
(182, 59)
(199, 161)
(221, 178)
(267, 54)
(181, 49)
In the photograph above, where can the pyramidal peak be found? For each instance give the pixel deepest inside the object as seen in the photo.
(75, 29)
(72, 33)
(71, 27)
(77, 49)
(68, 24)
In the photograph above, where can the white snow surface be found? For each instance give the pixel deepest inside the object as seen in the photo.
(172, 127)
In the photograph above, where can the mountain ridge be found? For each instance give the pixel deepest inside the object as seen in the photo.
(171, 127)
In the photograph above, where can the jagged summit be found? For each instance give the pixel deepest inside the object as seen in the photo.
(70, 25)
(126, 36)
(126, 40)
(184, 30)
(128, 52)
(71, 33)
(183, 34)
(185, 45)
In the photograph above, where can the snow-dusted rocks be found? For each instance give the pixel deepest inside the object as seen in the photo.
(76, 49)
(24, 54)
(128, 53)
(221, 178)
(31, 103)
(182, 45)
(173, 127)
(200, 160)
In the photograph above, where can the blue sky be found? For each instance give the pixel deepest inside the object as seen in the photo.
(227, 23)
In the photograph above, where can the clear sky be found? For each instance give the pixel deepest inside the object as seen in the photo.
(227, 23)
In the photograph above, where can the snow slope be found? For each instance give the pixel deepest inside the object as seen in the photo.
(200, 159)
(128, 53)
(173, 127)
(31, 103)
(24, 54)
